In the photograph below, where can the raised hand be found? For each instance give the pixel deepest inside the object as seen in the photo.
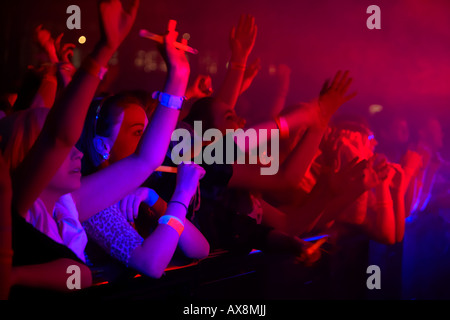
(173, 57)
(45, 41)
(333, 96)
(116, 22)
(201, 87)
(350, 176)
(397, 178)
(242, 39)
(65, 53)
(376, 171)
(176, 61)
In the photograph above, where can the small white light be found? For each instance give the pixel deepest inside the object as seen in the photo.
(375, 108)
(186, 36)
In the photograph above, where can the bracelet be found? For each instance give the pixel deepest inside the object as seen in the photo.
(237, 66)
(93, 68)
(179, 202)
(168, 100)
(283, 127)
(172, 222)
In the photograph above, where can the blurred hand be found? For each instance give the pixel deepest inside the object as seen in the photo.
(328, 146)
(377, 170)
(65, 53)
(201, 88)
(45, 41)
(350, 177)
(333, 96)
(175, 59)
(116, 22)
(351, 144)
(398, 180)
(242, 38)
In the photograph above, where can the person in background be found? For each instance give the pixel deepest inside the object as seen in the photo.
(112, 131)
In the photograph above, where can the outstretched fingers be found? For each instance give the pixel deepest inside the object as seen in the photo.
(325, 87)
(335, 81)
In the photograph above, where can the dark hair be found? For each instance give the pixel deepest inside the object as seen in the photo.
(103, 113)
(28, 90)
(352, 122)
(201, 111)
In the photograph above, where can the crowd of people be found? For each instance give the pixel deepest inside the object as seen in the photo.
(80, 166)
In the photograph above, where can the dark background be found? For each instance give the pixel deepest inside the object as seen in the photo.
(405, 66)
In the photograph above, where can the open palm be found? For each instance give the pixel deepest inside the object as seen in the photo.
(334, 95)
(116, 22)
(242, 37)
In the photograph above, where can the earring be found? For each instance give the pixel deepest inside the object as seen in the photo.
(105, 156)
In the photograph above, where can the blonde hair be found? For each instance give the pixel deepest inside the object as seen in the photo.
(19, 132)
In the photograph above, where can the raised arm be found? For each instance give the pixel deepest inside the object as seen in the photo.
(249, 75)
(45, 96)
(109, 185)
(314, 118)
(282, 74)
(59, 64)
(242, 40)
(64, 123)
(380, 221)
